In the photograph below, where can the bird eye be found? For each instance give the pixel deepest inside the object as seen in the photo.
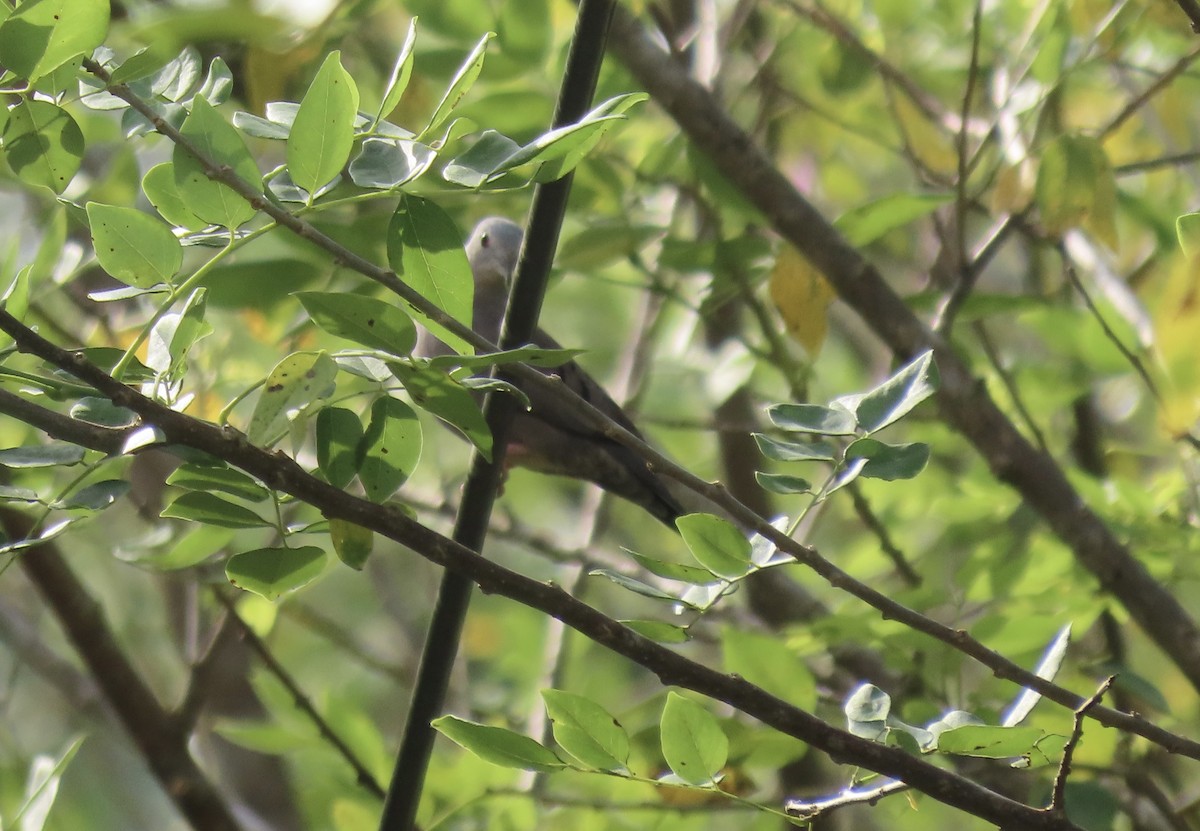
(484, 241)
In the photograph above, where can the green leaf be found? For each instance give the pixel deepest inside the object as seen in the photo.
(812, 418)
(225, 479)
(272, 572)
(42, 786)
(369, 321)
(538, 356)
(323, 132)
(658, 631)
(217, 84)
(716, 544)
(989, 742)
(97, 496)
(132, 246)
(634, 585)
(475, 166)
(889, 461)
(390, 448)
(42, 455)
(221, 144)
(389, 163)
(559, 151)
(895, 397)
(16, 298)
(867, 223)
(693, 743)
(782, 483)
(145, 61)
(460, 85)
(868, 703)
(43, 145)
(194, 547)
(190, 326)
(437, 393)
(587, 731)
(1076, 186)
(425, 248)
(401, 71)
(297, 381)
(673, 571)
(339, 434)
(159, 186)
(42, 35)
(498, 745)
(199, 506)
(766, 661)
(794, 451)
(352, 543)
(1187, 230)
(867, 711)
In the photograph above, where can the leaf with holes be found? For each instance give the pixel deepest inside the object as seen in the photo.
(323, 131)
(368, 321)
(133, 246)
(43, 144)
(221, 144)
(587, 731)
(425, 248)
(390, 448)
(297, 381)
(693, 743)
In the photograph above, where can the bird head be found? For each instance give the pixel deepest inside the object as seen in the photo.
(493, 249)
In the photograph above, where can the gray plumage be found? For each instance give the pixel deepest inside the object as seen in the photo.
(549, 437)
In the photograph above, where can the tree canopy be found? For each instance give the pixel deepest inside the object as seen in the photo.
(899, 299)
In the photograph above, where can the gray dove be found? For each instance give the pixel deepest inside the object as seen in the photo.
(548, 437)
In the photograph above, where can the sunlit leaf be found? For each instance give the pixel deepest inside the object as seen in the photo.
(498, 745)
(716, 544)
(390, 448)
(802, 295)
(43, 145)
(295, 382)
(693, 743)
(365, 320)
(133, 246)
(587, 731)
(425, 248)
(323, 131)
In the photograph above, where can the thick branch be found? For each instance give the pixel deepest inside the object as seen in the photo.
(282, 473)
(965, 403)
(993, 431)
(157, 735)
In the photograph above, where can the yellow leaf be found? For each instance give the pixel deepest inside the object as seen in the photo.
(802, 295)
(1176, 321)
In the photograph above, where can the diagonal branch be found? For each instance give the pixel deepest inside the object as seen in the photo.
(282, 473)
(965, 403)
(159, 737)
(1011, 457)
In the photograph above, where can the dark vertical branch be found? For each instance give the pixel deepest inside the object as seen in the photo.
(470, 529)
(159, 737)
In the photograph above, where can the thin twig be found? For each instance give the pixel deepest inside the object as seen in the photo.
(303, 703)
(283, 474)
(1058, 792)
(1133, 360)
(1158, 85)
(973, 413)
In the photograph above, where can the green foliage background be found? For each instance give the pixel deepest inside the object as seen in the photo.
(1070, 190)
